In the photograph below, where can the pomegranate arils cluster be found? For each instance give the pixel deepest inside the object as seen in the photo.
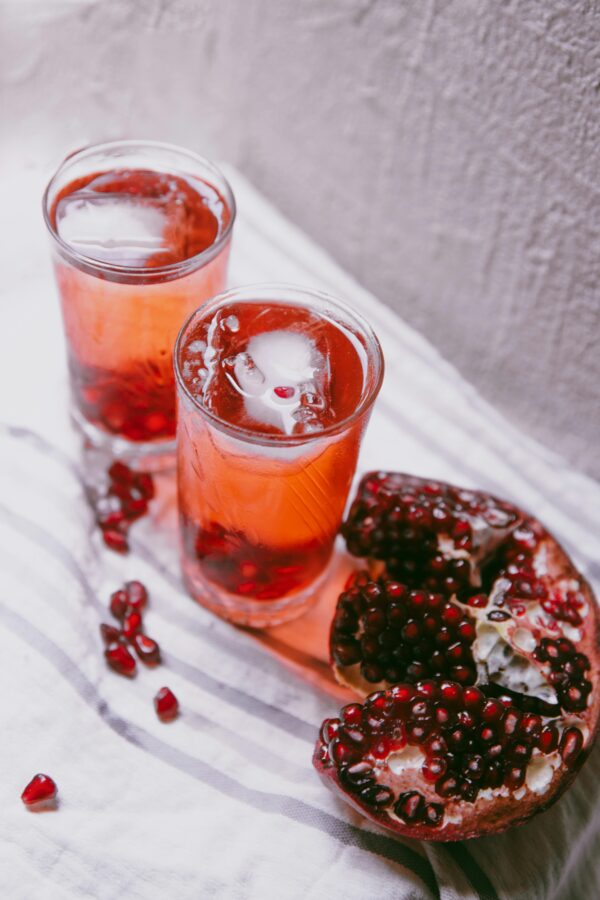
(400, 519)
(126, 501)
(397, 634)
(418, 751)
(126, 605)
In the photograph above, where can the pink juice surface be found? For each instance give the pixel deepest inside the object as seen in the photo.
(264, 472)
(122, 309)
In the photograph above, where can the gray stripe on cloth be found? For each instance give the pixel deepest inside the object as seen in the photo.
(280, 804)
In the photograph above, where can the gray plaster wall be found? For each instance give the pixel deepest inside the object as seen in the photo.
(446, 152)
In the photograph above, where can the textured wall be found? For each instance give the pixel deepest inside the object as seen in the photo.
(444, 152)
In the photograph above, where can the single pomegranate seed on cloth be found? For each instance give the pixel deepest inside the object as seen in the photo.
(40, 792)
(120, 659)
(119, 601)
(132, 623)
(166, 705)
(109, 633)
(474, 639)
(137, 595)
(115, 540)
(120, 473)
(147, 649)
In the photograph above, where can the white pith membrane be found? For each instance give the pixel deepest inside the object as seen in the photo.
(503, 652)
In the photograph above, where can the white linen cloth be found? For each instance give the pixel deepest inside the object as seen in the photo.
(224, 802)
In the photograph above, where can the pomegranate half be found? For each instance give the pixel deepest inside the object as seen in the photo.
(476, 640)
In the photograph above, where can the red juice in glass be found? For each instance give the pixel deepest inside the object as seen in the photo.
(140, 237)
(275, 388)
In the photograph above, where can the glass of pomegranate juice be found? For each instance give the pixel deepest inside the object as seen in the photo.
(140, 235)
(275, 386)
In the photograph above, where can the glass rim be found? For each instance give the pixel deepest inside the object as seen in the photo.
(256, 293)
(134, 272)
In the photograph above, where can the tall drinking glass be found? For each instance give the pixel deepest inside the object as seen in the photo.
(275, 386)
(140, 235)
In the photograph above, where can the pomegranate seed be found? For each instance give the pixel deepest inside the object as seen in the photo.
(120, 473)
(144, 484)
(135, 506)
(352, 714)
(109, 633)
(329, 730)
(112, 520)
(492, 711)
(118, 604)
(473, 698)
(147, 649)
(120, 659)
(548, 741)
(410, 806)
(132, 623)
(40, 790)
(434, 768)
(115, 540)
(284, 392)
(381, 749)
(570, 745)
(167, 705)
(137, 595)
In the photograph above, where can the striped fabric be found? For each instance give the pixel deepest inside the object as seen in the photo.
(224, 802)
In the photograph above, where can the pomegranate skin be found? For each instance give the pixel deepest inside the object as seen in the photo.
(430, 547)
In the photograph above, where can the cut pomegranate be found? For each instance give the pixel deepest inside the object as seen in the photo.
(147, 649)
(120, 659)
(474, 603)
(40, 792)
(166, 705)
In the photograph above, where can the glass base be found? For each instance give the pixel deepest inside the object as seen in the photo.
(152, 456)
(246, 611)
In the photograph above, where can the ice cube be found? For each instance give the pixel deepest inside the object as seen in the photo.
(271, 376)
(117, 228)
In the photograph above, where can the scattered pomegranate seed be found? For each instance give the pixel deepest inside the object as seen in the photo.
(147, 649)
(119, 601)
(120, 473)
(116, 540)
(40, 790)
(120, 659)
(145, 484)
(132, 623)
(137, 595)
(109, 633)
(166, 705)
